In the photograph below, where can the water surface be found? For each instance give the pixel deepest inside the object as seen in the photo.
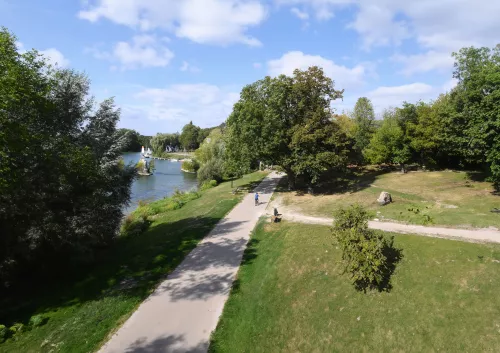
(166, 178)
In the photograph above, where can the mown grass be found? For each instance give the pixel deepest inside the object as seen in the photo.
(443, 198)
(291, 296)
(83, 311)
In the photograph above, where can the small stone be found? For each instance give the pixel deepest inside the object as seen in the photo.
(359, 318)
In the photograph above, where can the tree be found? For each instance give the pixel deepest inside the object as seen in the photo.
(160, 142)
(131, 137)
(477, 104)
(364, 117)
(387, 144)
(189, 137)
(211, 156)
(63, 184)
(287, 121)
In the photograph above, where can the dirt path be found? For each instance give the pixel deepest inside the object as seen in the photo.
(475, 235)
(182, 312)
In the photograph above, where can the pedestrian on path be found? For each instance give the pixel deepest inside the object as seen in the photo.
(256, 199)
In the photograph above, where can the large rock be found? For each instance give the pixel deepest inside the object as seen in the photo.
(384, 198)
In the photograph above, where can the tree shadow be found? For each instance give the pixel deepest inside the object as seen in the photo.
(166, 344)
(131, 268)
(394, 256)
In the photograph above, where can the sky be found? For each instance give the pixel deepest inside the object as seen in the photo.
(169, 62)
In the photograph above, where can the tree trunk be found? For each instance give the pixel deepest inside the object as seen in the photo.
(291, 179)
(403, 168)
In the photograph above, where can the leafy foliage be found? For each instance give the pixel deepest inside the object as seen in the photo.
(63, 184)
(190, 165)
(190, 136)
(133, 140)
(287, 121)
(364, 252)
(364, 117)
(160, 142)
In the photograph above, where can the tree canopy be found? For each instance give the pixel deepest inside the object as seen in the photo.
(287, 121)
(63, 183)
(364, 117)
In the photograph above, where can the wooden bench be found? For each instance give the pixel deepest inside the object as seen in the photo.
(235, 191)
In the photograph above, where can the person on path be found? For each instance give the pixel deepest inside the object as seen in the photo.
(256, 199)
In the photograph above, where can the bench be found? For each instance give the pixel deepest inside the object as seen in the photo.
(235, 191)
(275, 219)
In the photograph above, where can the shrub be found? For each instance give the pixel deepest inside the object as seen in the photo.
(368, 257)
(190, 166)
(37, 321)
(4, 333)
(134, 225)
(208, 185)
(211, 170)
(15, 329)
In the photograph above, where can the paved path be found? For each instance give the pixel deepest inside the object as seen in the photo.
(478, 235)
(182, 312)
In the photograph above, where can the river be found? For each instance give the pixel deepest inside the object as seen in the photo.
(166, 178)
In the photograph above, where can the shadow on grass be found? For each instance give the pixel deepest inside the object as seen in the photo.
(130, 268)
(394, 256)
(352, 180)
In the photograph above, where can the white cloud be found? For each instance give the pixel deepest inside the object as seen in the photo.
(428, 61)
(344, 77)
(392, 96)
(203, 21)
(143, 51)
(257, 65)
(449, 85)
(188, 67)
(322, 9)
(442, 26)
(300, 14)
(53, 56)
(376, 24)
(206, 105)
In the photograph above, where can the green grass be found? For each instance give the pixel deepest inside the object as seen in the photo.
(180, 155)
(291, 296)
(439, 198)
(83, 312)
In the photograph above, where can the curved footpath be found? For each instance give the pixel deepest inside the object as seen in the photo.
(182, 312)
(476, 235)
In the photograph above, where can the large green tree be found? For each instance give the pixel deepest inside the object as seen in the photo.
(388, 143)
(287, 121)
(159, 142)
(364, 117)
(63, 184)
(189, 138)
(476, 100)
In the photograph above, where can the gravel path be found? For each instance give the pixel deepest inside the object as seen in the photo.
(475, 235)
(182, 312)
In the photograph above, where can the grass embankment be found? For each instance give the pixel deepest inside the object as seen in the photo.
(291, 296)
(83, 312)
(430, 198)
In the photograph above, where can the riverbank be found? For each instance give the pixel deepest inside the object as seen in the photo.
(81, 313)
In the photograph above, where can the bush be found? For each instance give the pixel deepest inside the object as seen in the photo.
(211, 170)
(190, 166)
(369, 257)
(134, 225)
(15, 329)
(4, 333)
(208, 185)
(37, 321)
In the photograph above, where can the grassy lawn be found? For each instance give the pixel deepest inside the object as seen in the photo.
(291, 296)
(178, 155)
(82, 312)
(441, 198)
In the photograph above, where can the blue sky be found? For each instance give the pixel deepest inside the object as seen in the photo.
(168, 62)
